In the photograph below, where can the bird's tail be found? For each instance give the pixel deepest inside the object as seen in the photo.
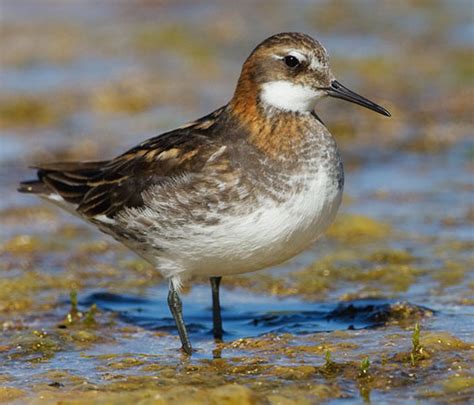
(68, 181)
(33, 187)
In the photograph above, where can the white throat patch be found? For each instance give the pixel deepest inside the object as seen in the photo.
(288, 96)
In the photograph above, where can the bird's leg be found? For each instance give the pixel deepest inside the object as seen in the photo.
(216, 308)
(176, 308)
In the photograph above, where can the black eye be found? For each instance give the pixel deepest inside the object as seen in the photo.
(291, 61)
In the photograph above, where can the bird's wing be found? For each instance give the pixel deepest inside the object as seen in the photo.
(106, 187)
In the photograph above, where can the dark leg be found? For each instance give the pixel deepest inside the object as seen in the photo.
(216, 308)
(176, 308)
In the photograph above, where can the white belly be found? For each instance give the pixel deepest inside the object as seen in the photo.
(271, 234)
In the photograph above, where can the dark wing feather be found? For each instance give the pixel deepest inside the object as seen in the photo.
(122, 180)
(104, 188)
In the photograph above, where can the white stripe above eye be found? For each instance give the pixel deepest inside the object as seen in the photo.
(298, 55)
(292, 52)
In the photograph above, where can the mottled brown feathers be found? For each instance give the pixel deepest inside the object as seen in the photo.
(104, 188)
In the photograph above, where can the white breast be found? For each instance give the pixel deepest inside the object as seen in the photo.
(272, 233)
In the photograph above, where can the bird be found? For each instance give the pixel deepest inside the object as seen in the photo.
(246, 187)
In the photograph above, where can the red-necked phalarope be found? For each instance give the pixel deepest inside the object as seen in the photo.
(246, 187)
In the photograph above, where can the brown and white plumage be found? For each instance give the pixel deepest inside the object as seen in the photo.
(246, 187)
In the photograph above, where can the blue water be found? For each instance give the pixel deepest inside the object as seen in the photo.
(244, 314)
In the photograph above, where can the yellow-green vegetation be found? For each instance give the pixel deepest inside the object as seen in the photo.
(177, 39)
(376, 277)
(457, 383)
(10, 394)
(417, 350)
(23, 244)
(330, 366)
(17, 294)
(132, 95)
(452, 273)
(354, 229)
(394, 256)
(24, 111)
(313, 376)
(443, 341)
(28, 43)
(364, 367)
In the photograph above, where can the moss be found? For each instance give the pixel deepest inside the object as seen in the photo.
(443, 341)
(99, 246)
(232, 394)
(463, 66)
(29, 214)
(328, 274)
(15, 293)
(451, 274)
(364, 367)
(128, 96)
(403, 311)
(125, 363)
(176, 39)
(391, 257)
(314, 393)
(330, 367)
(357, 229)
(10, 394)
(37, 347)
(74, 314)
(294, 372)
(23, 244)
(89, 318)
(458, 383)
(397, 278)
(24, 111)
(85, 338)
(417, 348)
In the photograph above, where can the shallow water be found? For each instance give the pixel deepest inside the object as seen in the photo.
(82, 80)
(246, 315)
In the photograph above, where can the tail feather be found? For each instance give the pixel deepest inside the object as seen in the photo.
(69, 180)
(33, 187)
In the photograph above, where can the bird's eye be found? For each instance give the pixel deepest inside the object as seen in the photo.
(291, 61)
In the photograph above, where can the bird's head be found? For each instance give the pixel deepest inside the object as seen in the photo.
(290, 72)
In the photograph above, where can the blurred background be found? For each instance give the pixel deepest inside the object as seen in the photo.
(87, 79)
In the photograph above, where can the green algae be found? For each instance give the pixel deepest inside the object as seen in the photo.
(392, 257)
(364, 367)
(177, 39)
(417, 349)
(125, 363)
(39, 346)
(23, 111)
(457, 383)
(23, 245)
(15, 292)
(295, 383)
(443, 341)
(326, 275)
(10, 394)
(451, 274)
(127, 96)
(357, 229)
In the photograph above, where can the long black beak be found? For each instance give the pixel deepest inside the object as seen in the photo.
(337, 90)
